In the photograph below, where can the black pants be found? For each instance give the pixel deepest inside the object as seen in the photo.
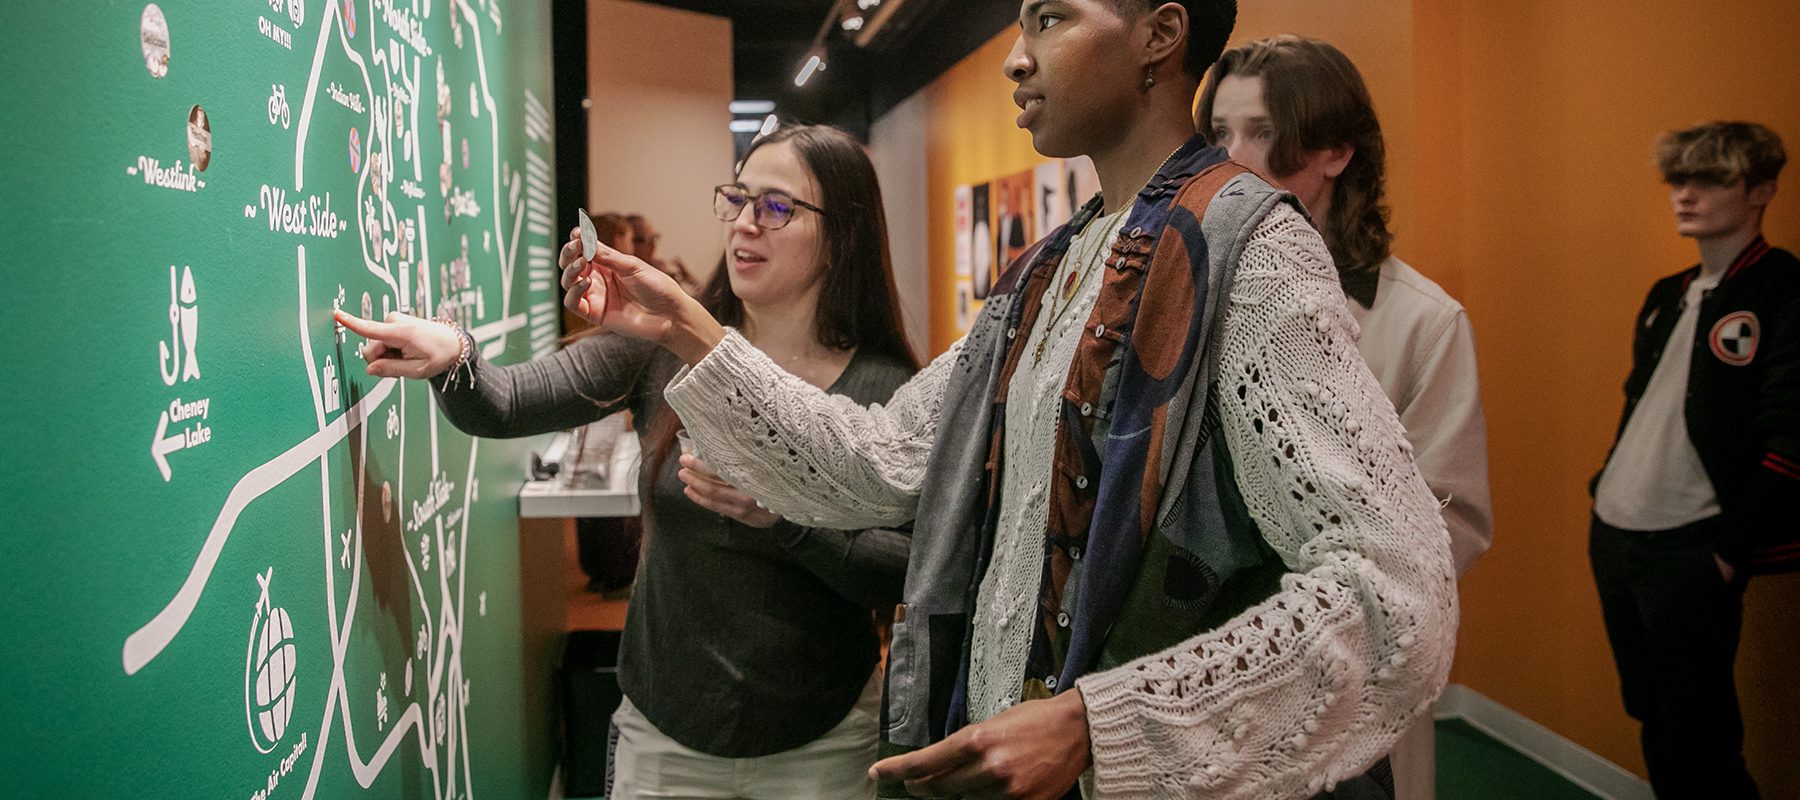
(1673, 622)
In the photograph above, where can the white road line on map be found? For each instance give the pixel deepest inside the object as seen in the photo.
(487, 98)
(146, 643)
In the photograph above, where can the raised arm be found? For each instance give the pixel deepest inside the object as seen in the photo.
(815, 458)
(589, 379)
(1315, 684)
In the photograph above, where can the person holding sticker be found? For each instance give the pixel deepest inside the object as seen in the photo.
(748, 662)
(1169, 538)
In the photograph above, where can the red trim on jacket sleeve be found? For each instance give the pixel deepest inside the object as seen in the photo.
(1781, 466)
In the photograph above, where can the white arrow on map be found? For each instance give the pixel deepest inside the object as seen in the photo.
(160, 448)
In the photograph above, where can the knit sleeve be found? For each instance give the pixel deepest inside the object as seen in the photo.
(1315, 684)
(818, 459)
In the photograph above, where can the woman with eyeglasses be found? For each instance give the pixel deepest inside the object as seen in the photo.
(749, 656)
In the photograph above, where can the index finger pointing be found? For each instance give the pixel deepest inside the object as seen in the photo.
(366, 328)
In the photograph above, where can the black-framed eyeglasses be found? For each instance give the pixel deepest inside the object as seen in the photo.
(774, 208)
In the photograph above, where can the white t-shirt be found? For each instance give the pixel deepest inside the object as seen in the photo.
(1655, 480)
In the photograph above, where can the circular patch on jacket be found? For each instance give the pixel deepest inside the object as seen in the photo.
(1734, 338)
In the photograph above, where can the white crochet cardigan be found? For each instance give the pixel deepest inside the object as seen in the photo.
(1293, 695)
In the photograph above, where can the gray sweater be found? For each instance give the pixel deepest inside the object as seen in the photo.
(740, 641)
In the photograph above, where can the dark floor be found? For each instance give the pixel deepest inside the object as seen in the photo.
(1474, 766)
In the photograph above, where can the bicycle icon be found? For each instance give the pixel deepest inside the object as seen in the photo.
(278, 106)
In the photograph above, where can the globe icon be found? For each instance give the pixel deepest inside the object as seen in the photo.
(269, 674)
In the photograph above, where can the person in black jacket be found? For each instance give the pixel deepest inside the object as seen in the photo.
(1699, 490)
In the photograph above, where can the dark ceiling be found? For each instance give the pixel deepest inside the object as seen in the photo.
(772, 39)
(769, 37)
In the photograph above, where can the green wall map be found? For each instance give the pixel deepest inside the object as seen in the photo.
(241, 567)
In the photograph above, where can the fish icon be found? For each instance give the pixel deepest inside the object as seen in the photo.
(179, 361)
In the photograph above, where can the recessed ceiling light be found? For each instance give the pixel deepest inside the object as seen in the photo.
(813, 64)
(752, 107)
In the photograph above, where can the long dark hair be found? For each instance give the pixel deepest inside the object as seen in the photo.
(859, 306)
(1316, 100)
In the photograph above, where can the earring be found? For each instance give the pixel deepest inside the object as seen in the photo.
(1149, 76)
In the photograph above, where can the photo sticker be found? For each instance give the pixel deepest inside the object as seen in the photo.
(153, 32)
(199, 139)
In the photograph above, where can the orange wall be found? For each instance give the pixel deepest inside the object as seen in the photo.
(1559, 223)
(970, 139)
(1520, 174)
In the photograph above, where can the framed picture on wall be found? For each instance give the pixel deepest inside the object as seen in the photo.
(981, 243)
(965, 234)
(1015, 214)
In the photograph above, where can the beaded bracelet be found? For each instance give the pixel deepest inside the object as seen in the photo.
(453, 376)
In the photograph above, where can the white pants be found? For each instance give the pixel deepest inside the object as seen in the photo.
(835, 766)
(1414, 760)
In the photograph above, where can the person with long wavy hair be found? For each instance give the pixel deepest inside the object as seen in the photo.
(750, 648)
(1296, 109)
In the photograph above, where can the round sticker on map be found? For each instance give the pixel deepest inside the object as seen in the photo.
(153, 31)
(297, 12)
(355, 151)
(350, 18)
(199, 138)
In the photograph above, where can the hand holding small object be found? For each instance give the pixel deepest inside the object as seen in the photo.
(622, 294)
(711, 492)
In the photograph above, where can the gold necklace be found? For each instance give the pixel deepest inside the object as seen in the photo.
(1072, 284)
(1078, 276)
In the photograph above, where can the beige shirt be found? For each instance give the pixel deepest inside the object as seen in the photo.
(1418, 342)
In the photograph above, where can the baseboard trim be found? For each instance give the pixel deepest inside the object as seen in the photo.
(1573, 762)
